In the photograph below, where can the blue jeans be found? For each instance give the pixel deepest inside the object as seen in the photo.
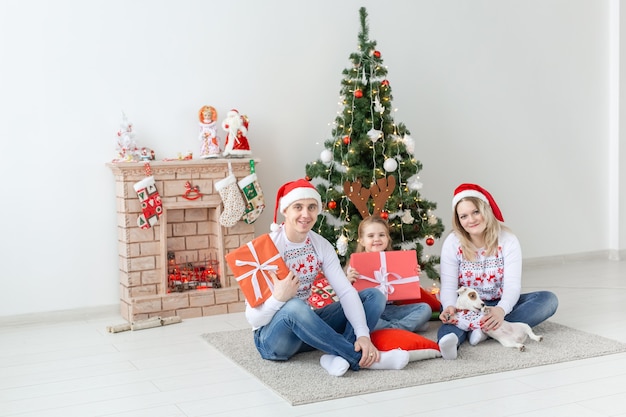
(297, 328)
(532, 309)
(411, 317)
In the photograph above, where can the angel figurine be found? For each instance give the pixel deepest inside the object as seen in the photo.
(209, 142)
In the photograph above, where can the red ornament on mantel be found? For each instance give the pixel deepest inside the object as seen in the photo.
(377, 54)
(191, 193)
(346, 140)
(358, 94)
(430, 240)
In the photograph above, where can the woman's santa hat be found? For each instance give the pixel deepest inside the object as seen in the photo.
(293, 191)
(473, 190)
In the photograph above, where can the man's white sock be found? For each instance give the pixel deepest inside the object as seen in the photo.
(334, 365)
(392, 359)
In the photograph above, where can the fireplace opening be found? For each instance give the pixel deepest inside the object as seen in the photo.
(192, 250)
(193, 247)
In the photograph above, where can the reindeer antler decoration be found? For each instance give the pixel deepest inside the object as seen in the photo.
(358, 196)
(379, 193)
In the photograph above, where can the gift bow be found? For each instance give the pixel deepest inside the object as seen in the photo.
(381, 277)
(258, 266)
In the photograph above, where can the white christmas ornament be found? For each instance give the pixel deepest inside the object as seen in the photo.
(407, 218)
(374, 134)
(390, 165)
(414, 183)
(342, 245)
(378, 108)
(326, 156)
(409, 143)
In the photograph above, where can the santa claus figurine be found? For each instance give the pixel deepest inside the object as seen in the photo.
(236, 127)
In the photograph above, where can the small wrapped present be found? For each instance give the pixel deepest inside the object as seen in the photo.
(392, 272)
(322, 293)
(251, 263)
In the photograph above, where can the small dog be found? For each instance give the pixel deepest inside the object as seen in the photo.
(508, 334)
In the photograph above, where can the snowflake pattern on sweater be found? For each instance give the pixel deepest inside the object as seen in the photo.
(468, 319)
(304, 263)
(485, 274)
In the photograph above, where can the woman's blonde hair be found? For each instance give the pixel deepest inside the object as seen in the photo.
(492, 230)
(373, 220)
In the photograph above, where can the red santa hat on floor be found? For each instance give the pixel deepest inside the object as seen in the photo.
(473, 190)
(293, 191)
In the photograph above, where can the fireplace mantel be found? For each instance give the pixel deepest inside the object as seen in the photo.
(142, 253)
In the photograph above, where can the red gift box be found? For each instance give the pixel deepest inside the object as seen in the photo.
(392, 272)
(250, 264)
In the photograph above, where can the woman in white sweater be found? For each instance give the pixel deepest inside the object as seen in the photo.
(483, 254)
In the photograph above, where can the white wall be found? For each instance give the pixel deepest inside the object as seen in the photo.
(510, 94)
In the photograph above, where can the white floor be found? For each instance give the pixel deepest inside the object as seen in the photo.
(65, 364)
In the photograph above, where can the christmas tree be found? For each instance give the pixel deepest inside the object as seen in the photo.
(369, 165)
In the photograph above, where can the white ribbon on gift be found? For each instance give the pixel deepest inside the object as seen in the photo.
(381, 277)
(258, 267)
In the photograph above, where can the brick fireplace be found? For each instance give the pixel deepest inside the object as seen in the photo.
(187, 230)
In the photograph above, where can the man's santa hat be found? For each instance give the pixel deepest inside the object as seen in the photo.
(293, 191)
(473, 190)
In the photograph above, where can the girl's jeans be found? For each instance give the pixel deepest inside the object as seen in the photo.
(411, 317)
(297, 328)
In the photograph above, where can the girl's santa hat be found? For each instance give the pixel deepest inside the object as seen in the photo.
(473, 190)
(293, 191)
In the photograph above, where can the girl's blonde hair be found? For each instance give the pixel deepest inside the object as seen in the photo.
(373, 220)
(491, 233)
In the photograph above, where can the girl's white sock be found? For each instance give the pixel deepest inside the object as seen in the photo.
(334, 365)
(392, 359)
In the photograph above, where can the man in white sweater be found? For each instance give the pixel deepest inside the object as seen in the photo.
(285, 324)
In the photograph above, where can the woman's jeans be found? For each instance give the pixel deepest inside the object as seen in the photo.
(532, 309)
(298, 328)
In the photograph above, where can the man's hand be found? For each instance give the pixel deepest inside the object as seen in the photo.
(368, 351)
(285, 289)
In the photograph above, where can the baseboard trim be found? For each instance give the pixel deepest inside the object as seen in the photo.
(612, 255)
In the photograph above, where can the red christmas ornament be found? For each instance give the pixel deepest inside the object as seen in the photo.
(385, 82)
(358, 94)
(430, 241)
(384, 215)
(377, 54)
(346, 140)
(332, 205)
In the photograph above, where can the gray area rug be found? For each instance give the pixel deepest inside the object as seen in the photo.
(301, 380)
